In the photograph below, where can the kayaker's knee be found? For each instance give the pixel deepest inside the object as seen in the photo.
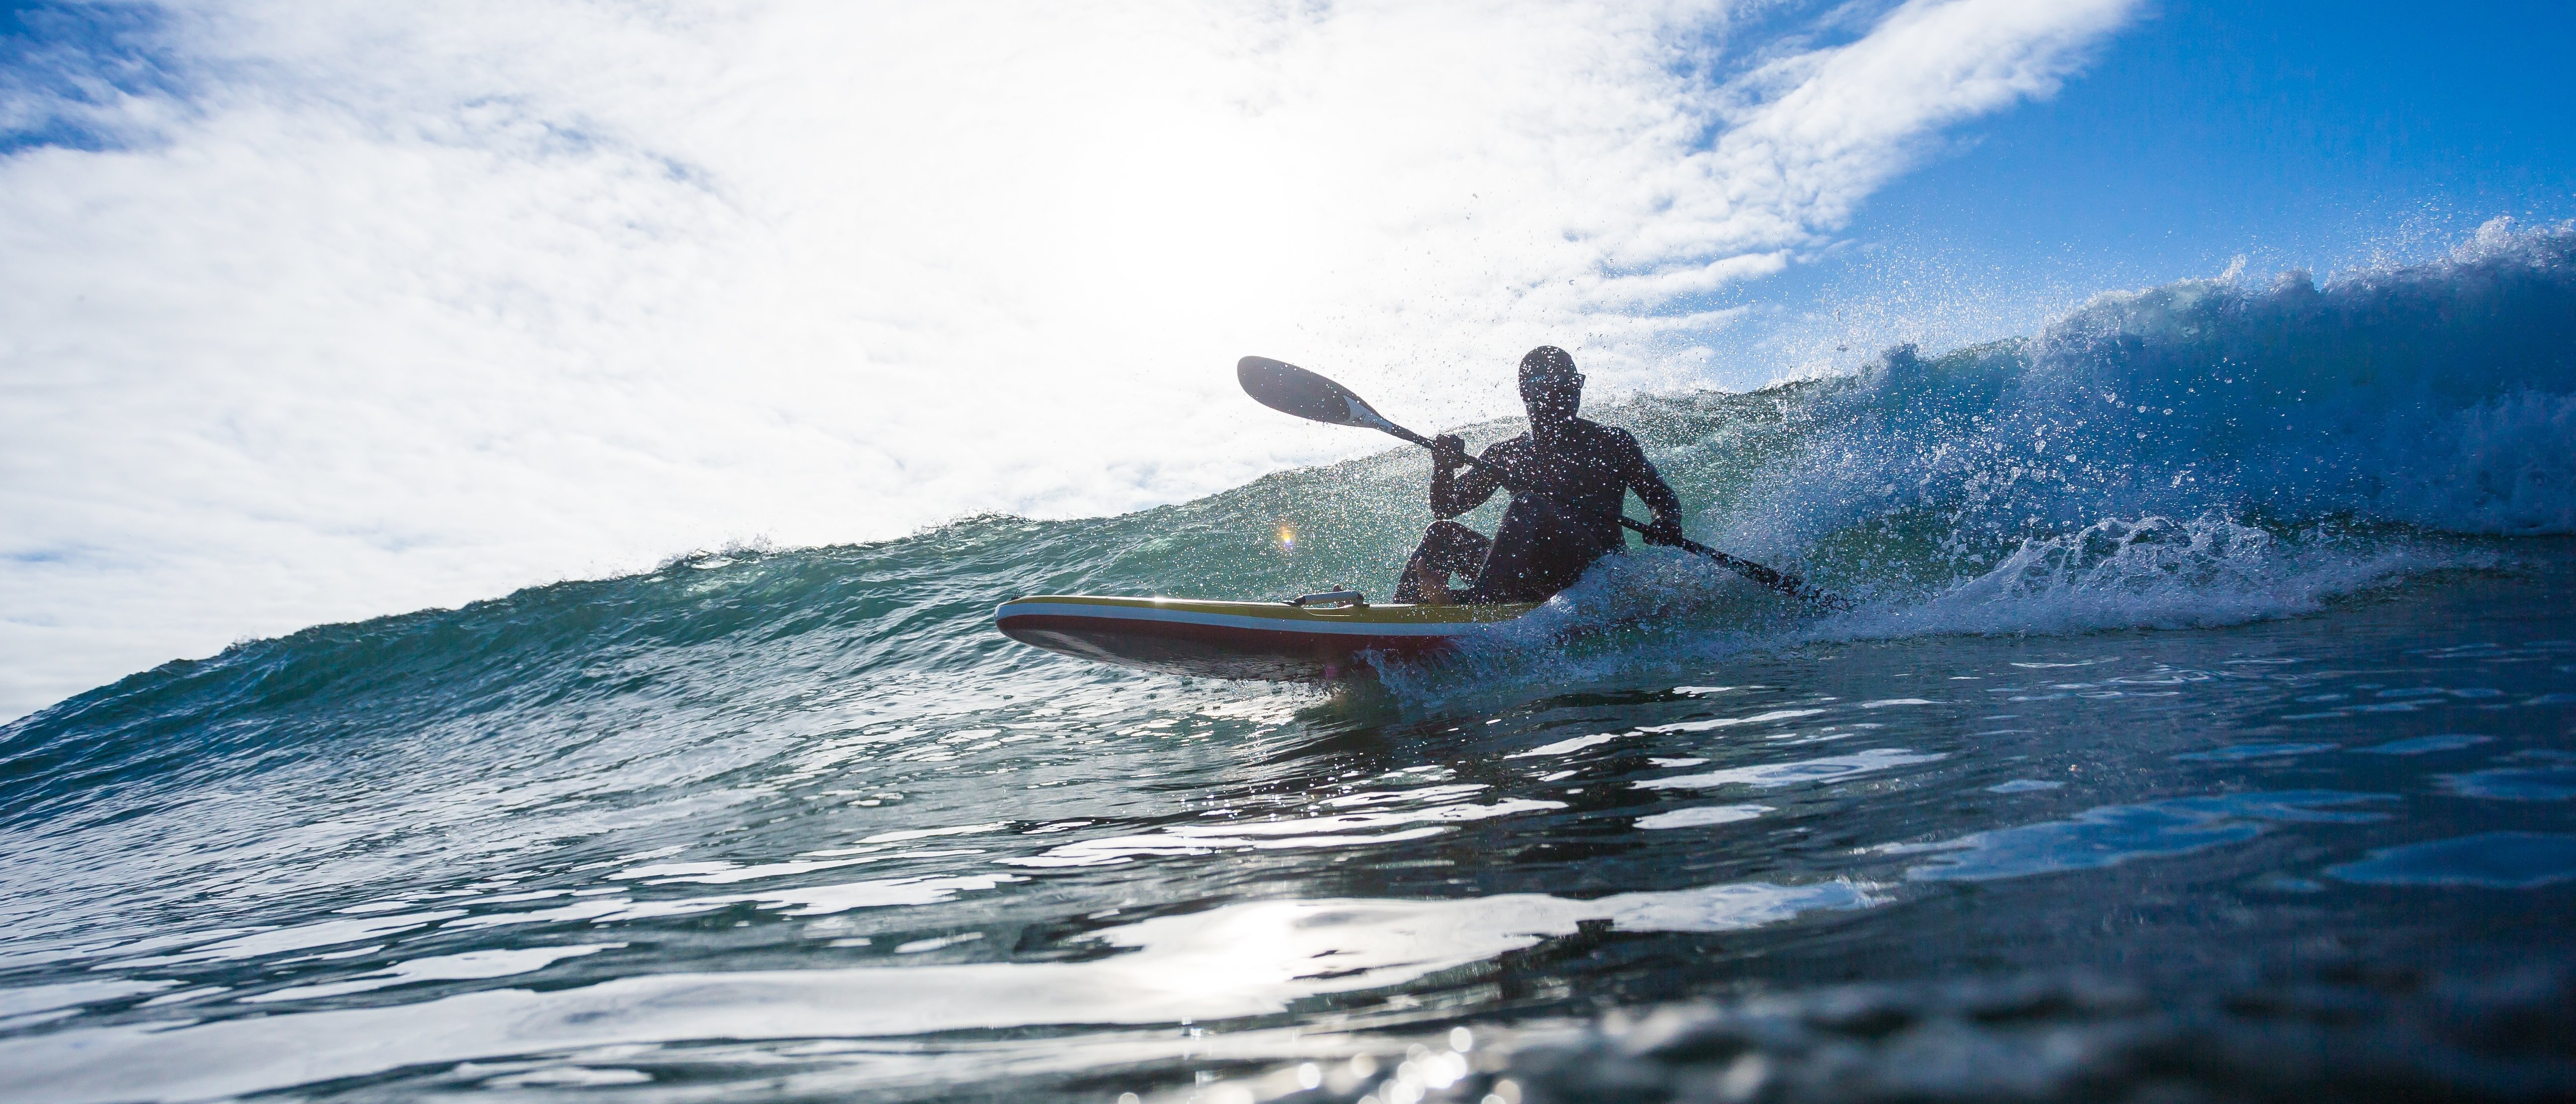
(1447, 548)
(1450, 547)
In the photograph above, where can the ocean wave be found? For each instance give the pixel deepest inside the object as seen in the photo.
(2211, 451)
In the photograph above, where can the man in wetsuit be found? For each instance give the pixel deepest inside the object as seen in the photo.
(1572, 480)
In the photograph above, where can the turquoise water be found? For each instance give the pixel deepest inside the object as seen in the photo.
(2208, 721)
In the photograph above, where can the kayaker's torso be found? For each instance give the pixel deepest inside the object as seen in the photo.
(1576, 482)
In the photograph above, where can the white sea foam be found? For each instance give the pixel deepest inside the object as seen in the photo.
(2153, 572)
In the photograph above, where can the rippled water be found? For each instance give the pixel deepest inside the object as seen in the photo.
(2273, 801)
(1113, 888)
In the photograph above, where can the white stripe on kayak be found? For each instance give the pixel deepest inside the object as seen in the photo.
(1235, 621)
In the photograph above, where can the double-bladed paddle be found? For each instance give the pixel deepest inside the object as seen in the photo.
(1290, 389)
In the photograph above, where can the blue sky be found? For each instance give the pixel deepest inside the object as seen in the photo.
(2311, 130)
(315, 313)
(72, 51)
(2315, 135)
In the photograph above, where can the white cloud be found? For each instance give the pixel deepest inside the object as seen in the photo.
(398, 305)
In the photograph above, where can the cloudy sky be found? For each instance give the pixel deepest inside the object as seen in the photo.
(314, 312)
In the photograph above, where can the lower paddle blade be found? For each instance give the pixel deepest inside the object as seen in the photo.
(1289, 389)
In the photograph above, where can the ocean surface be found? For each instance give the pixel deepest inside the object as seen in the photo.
(2205, 729)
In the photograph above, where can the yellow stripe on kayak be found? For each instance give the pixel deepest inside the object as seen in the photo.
(1283, 612)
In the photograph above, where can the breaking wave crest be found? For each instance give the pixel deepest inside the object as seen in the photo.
(2438, 396)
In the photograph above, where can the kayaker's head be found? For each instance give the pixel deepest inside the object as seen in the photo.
(1550, 388)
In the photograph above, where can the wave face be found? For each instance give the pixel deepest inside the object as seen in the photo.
(2201, 455)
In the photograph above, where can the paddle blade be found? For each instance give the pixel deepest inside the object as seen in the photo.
(1290, 389)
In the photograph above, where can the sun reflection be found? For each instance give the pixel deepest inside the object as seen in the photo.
(1287, 538)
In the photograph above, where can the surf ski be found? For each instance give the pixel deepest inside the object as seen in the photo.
(1312, 638)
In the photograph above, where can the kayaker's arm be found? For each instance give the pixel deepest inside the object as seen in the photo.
(1656, 494)
(1453, 494)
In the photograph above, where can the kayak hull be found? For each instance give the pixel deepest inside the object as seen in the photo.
(1270, 641)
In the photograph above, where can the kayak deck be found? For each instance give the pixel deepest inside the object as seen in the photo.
(1276, 641)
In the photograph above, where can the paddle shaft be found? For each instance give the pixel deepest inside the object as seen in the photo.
(1786, 584)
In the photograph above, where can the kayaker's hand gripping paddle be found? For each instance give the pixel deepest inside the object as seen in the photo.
(1290, 389)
